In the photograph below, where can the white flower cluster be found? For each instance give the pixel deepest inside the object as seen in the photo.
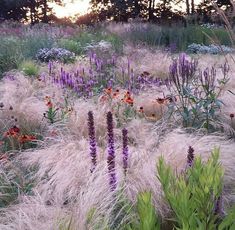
(210, 49)
(55, 54)
(102, 45)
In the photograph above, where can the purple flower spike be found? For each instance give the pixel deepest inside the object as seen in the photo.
(111, 153)
(190, 157)
(50, 67)
(125, 149)
(219, 206)
(91, 133)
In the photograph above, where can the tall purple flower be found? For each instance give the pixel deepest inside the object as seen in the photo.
(125, 149)
(91, 133)
(219, 206)
(111, 152)
(190, 156)
(50, 67)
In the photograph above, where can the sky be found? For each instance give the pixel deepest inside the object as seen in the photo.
(73, 7)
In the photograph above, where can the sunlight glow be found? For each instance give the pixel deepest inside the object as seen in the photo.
(71, 8)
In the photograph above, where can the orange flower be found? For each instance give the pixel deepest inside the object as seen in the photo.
(49, 104)
(129, 100)
(108, 91)
(26, 138)
(145, 73)
(160, 100)
(141, 110)
(47, 98)
(103, 98)
(127, 94)
(12, 132)
(116, 93)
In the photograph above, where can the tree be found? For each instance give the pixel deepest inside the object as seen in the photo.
(13, 9)
(27, 10)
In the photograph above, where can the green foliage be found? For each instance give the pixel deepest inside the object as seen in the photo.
(10, 54)
(14, 181)
(192, 195)
(34, 41)
(65, 224)
(116, 41)
(89, 37)
(29, 67)
(58, 112)
(147, 218)
(51, 115)
(72, 46)
(153, 35)
(198, 93)
(146, 212)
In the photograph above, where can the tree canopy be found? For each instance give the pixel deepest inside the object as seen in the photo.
(161, 11)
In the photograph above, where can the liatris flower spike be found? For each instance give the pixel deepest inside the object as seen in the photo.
(190, 156)
(111, 153)
(91, 133)
(125, 149)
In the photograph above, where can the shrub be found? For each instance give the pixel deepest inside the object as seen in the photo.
(55, 54)
(30, 68)
(72, 46)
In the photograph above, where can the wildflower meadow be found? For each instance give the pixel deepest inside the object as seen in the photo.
(104, 127)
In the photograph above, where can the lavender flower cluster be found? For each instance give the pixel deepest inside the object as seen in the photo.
(55, 54)
(80, 82)
(182, 70)
(85, 81)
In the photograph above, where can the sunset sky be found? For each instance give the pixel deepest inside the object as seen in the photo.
(73, 7)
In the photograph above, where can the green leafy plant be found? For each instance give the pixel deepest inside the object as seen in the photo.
(147, 217)
(197, 93)
(194, 195)
(30, 68)
(55, 113)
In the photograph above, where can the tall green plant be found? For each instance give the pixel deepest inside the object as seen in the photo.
(197, 93)
(147, 217)
(194, 196)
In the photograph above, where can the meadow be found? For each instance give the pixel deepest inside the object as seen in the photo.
(119, 126)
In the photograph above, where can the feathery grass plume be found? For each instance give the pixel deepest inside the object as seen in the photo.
(190, 156)
(125, 149)
(111, 152)
(91, 133)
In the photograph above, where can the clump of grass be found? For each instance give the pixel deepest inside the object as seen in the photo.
(14, 181)
(155, 36)
(10, 54)
(29, 67)
(71, 45)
